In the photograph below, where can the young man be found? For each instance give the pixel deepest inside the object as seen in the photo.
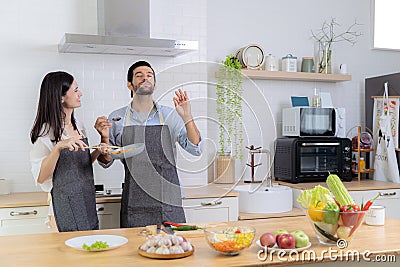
(151, 192)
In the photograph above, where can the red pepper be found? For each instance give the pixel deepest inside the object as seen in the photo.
(369, 203)
(174, 224)
(349, 214)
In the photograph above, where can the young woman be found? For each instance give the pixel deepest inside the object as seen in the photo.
(61, 161)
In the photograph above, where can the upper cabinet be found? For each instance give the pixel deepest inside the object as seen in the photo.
(295, 76)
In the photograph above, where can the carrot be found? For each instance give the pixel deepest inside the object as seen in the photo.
(226, 246)
(360, 219)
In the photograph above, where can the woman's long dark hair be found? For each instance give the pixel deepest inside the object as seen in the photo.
(50, 110)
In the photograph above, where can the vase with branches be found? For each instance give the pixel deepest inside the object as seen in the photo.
(326, 36)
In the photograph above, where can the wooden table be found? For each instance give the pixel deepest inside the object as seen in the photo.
(49, 249)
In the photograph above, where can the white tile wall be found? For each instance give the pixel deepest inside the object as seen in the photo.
(30, 34)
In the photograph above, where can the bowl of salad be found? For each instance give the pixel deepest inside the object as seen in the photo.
(335, 227)
(332, 213)
(229, 240)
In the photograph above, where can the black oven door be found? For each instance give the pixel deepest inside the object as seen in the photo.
(316, 158)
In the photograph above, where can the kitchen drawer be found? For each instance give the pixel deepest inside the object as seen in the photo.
(24, 212)
(24, 220)
(211, 209)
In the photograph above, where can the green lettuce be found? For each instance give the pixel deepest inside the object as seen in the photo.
(313, 196)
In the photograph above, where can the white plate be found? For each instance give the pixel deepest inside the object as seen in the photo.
(287, 249)
(114, 241)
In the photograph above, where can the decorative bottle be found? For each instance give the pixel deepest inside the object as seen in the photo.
(316, 100)
(361, 164)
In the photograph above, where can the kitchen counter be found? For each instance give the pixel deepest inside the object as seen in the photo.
(30, 199)
(49, 249)
(351, 186)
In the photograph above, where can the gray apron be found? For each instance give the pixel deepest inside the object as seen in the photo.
(73, 193)
(151, 192)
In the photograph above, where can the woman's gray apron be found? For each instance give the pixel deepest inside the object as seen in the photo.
(73, 193)
(151, 192)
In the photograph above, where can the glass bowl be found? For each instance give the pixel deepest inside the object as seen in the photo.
(331, 228)
(229, 240)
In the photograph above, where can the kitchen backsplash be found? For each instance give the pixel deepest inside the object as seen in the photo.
(31, 39)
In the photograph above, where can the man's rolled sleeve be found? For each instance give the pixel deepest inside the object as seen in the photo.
(185, 143)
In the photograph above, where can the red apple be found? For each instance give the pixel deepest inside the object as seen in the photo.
(267, 239)
(278, 235)
(286, 241)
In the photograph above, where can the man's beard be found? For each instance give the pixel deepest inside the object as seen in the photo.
(144, 90)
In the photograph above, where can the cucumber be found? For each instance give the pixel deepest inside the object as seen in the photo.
(339, 191)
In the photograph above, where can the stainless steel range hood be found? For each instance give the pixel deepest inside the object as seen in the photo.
(124, 29)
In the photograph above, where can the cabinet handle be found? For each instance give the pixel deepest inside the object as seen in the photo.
(20, 213)
(100, 209)
(387, 194)
(215, 203)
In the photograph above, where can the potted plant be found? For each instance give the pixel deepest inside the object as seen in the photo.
(229, 113)
(325, 37)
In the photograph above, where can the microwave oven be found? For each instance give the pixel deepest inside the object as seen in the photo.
(312, 159)
(315, 122)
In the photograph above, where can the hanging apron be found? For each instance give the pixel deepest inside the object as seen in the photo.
(151, 192)
(73, 193)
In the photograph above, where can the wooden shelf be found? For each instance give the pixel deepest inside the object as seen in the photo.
(359, 151)
(363, 149)
(295, 76)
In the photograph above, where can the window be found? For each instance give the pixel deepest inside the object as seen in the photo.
(386, 23)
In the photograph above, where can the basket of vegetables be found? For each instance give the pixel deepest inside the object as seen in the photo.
(332, 212)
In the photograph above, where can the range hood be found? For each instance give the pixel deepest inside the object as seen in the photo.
(124, 29)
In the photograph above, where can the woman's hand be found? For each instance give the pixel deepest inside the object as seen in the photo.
(73, 144)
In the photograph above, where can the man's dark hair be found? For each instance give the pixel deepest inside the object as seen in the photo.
(139, 64)
(134, 66)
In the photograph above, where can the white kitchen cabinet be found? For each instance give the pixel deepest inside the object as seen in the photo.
(390, 198)
(211, 209)
(108, 214)
(24, 220)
